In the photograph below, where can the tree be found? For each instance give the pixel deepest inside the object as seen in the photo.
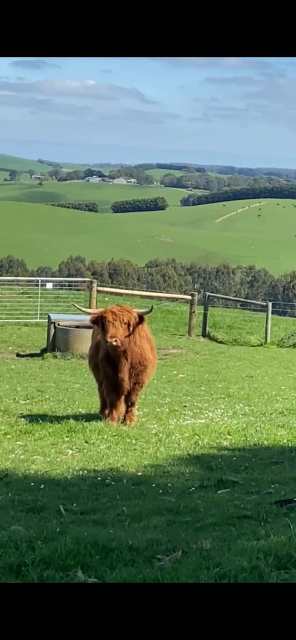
(74, 267)
(91, 173)
(44, 272)
(123, 273)
(12, 266)
(99, 271)
(71, 175)
(56, 173)
(13, 174)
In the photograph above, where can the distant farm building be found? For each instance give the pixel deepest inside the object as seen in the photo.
(119, 181)
(125, 181)
(36, 177)
(93, 179)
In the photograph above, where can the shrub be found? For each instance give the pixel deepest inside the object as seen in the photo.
(143, 204)
(81, 206)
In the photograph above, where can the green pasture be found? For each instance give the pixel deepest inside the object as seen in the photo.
(21, 164)
(187, 495)
(41, 234)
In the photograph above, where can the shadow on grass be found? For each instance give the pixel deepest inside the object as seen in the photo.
(199, 518)
(32, 354)
(37, 418)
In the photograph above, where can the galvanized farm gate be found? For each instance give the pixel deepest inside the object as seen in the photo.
(31, 299)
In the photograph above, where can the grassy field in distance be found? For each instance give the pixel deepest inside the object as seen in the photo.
(241, 232)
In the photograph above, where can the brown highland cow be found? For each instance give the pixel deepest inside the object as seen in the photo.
(122, 358)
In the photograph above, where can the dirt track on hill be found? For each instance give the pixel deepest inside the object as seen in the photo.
(233, 213)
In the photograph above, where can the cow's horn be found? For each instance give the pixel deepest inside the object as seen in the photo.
(89, 311)
(144, 312)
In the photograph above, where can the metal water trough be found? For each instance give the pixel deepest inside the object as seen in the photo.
(68, 333)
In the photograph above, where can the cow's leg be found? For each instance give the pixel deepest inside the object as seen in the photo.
(103, 403)
(131, 401)
(116, 408)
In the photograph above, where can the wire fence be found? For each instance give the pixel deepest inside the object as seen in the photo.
(31, 299)
(231, 320)
(287, 309)
(225, 319)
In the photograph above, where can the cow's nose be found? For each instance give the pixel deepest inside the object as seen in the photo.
(113, 341)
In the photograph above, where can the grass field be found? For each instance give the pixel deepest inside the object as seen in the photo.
(21, 164)
(41, 234)
(186, 495)
(104, 193)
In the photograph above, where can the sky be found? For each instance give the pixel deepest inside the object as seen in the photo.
(232, 111)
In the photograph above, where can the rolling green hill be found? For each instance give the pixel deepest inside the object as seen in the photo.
(42, 234)
(21, 164)
(102, 193)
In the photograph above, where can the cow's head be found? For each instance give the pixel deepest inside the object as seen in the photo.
(116, 324)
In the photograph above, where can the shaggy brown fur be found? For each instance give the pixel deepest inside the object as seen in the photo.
(122, 358)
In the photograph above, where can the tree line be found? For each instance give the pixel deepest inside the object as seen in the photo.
(170, 166)
(214, 183)
(167, 275)
(76, 174)
(85, 205)
(283, 191)
(289, 174)
(139, 204)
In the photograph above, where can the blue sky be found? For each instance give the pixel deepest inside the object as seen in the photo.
(239, 111)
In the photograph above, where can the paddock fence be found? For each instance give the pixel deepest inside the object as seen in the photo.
(32, 299)
(238, 320)
(234, 320)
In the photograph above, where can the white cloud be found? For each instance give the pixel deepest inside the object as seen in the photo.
(34, 65)
(85, 89)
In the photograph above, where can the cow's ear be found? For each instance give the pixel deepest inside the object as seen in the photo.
(96, 320)
(141, 318)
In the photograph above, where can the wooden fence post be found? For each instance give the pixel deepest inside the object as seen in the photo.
(192, 313)
(93, 294)
(204, 330)
(268, 323)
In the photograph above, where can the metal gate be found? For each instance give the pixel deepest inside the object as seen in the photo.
(31, 299)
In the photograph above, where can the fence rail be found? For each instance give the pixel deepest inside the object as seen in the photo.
(259, 303)
(32, 299)
(145, 294)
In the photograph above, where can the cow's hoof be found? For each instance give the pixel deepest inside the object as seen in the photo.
(129, 419)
